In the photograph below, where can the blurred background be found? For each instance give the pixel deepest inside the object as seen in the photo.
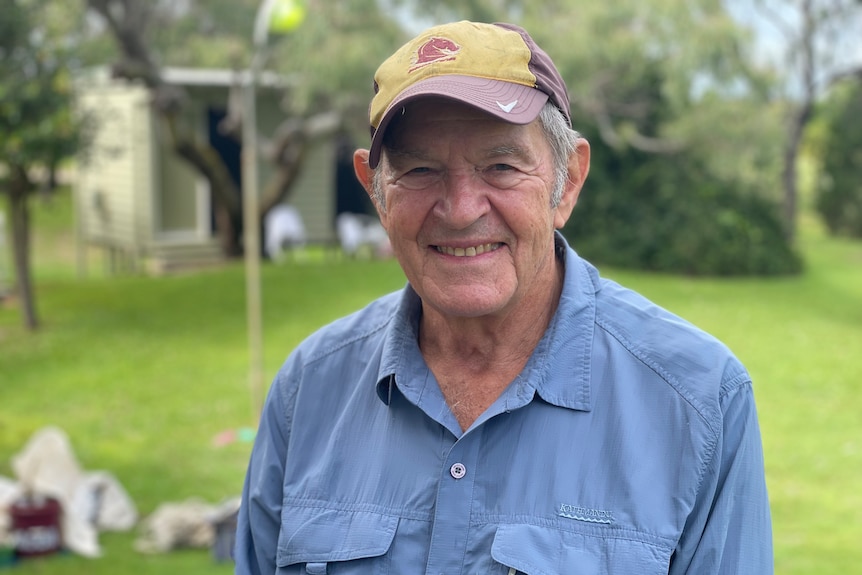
(178, 210)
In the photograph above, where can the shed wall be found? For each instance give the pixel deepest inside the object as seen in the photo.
(135, 195)
(314, 193)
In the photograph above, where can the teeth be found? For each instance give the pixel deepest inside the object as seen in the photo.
(468, 252)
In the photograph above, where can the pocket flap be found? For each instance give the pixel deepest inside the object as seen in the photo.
(318, 535)
(538, 550)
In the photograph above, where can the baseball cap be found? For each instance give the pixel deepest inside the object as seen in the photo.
(497, 68)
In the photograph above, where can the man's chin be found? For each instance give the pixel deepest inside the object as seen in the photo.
(467, 303)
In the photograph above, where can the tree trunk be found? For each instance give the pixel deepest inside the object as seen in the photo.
(789, 171)
(799, 120)
(19, 189)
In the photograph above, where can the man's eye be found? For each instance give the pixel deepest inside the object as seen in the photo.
(502, 176)
(417, 178)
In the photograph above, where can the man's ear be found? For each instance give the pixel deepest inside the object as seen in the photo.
(365, 175)
(579, 167)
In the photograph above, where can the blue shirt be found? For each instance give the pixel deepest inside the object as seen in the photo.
(629, 444)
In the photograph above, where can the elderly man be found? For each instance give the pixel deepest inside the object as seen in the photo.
(508, 411)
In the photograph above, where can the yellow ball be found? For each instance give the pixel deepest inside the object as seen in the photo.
(286, 15)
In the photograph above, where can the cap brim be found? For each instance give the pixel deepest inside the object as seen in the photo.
(513, 103)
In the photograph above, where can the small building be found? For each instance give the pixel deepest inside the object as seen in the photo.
(135, 199)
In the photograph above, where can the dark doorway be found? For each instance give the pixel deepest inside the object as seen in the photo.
(228, 148)
(350, 195)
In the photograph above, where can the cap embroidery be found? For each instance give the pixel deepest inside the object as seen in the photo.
(433, 51)
(508, 107)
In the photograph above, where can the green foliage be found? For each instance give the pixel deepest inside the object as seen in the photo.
(705, 209)
(330, 57)
(839, 189)
(37, 122)
(202, 33)
(672, 216)
(333, 56)
(686, 147)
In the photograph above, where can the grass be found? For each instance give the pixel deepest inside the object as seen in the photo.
(144, 372)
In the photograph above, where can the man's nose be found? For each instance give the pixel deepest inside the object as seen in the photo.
(463, 200)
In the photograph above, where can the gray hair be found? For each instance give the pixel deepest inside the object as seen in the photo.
(563, 141)
(561, 137)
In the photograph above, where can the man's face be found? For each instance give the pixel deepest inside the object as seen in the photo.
(468, 208)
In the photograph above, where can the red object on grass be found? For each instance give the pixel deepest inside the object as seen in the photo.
(36, 526)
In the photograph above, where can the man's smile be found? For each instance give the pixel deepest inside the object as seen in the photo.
(468, 251)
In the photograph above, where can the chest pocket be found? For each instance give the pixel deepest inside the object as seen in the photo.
(536, 550)
(317, 541)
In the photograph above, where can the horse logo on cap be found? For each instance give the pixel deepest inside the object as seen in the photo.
(433, 51)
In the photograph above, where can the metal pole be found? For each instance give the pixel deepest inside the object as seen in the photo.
(251, 213)
(4, 279)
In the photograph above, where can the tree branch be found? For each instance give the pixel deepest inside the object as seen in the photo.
(289, 148)
(634, 138)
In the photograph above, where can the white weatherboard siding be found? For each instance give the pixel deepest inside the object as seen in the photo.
(136, 199)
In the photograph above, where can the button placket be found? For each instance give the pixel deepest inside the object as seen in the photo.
(449, 533)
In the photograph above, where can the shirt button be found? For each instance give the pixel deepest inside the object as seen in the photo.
(458, 470)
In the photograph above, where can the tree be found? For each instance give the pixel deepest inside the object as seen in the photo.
(816, 35)
(218, 32)
(684, 138)
(685, 168)
(609, 53)
(38, 127)
(839, 190)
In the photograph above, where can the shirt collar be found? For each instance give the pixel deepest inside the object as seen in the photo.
(560, 365)
(559, 369)
(400, 343)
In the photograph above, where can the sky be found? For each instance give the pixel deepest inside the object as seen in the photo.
(839, 49)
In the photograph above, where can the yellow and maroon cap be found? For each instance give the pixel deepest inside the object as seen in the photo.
(497, 68)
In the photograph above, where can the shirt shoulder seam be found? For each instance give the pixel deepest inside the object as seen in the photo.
(341, 343)
(665, 376)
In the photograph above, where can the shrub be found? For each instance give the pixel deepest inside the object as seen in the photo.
(839, 188)
(648, 213)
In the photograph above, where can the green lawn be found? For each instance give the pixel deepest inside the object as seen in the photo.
(143, 373)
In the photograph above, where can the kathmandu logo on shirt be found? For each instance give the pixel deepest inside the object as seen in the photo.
(433, 51)
(585, 514)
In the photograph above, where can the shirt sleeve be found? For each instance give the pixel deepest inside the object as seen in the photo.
(729, 530)
(259, 520)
